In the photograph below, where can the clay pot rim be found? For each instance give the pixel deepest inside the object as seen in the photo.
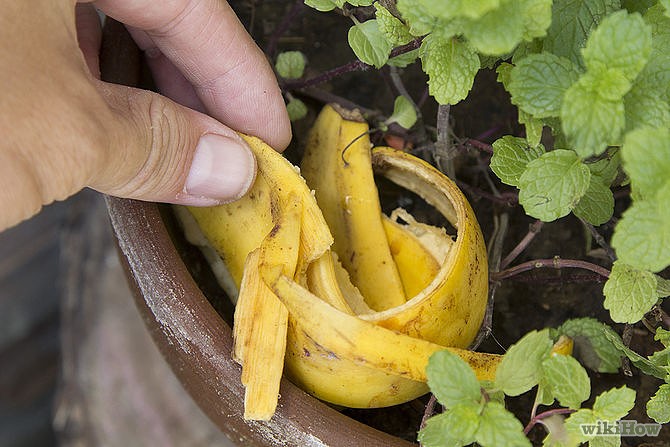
(197, 342)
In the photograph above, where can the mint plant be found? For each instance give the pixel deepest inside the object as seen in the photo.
(475, 412)
(591, 83)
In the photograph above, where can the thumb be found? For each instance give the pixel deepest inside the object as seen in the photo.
(164, 152)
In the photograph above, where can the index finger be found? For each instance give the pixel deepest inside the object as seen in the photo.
(209, 45)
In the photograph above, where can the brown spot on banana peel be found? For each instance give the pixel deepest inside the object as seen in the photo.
(371, 346)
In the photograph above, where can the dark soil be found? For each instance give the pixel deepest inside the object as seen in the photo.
(533, 300)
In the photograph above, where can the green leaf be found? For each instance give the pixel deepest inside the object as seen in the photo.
(567, 379)
(663, 289)
(449, 9)
(391, 27)
(642, 236)
(646, 160)
(666, 5)
(454, 427)
(536, 18)
(572, 22)
(607, 168)
(574, 422)
(614, 404)
(403, 60)
(552, 184)
(418, 16)
(498, 31)
(592, 345)
(437, 432)
(644, 107)
(519, 370)
(451, 380)
(290, 64)
(658, 407)
(369, 44)
(511, 155)
(621, 41)
(606, 441)
(637, 5)
(296, 109)
(539, 81)
(597, 204)
(590, 120)
(534, 128)
(451, 66)
(656, 73)
(322, 5)
(360, 2)
(404, 113)
(557, 435)
(642, 363)
(629, 293)
(498, 427)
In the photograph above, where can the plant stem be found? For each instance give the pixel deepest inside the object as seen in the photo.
(600, 240)
(555, 263)
(327, 75)
(505, 198)
(545, 415)
(480, 145)
(501, 224)
(350, 67)
(444, 152)
(296, 10)
(534, 229)
(430, 410)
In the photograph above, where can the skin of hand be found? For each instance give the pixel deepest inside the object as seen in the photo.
(62, 129)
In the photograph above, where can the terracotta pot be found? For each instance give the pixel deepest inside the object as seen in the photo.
(193, 337)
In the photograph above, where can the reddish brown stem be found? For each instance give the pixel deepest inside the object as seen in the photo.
(543, 415)
(535, 228)
(556, 263)
(348, 68)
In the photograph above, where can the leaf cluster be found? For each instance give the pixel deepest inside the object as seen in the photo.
(475, 411)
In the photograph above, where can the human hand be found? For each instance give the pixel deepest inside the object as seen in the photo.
(62, 129)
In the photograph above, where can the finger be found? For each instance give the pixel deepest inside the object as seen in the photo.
(208, 44)
(162, 151)
(89, 36)
(169, 80)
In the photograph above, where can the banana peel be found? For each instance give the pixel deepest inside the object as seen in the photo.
(349, 332)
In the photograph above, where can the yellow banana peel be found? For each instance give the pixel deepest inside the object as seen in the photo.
(348, 302)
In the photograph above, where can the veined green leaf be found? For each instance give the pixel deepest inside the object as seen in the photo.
(591, 121)
(592, 345)
(539, 81)
(567, 379)
(572, 22)
(614, 404)
(552, 185)
(498, 427)
(451, 66)
(290, 64)
(621, 41)
(369, 44)
(646, 160)
(520, 368)
(511, 155)
(498, 31)
(658, 407)
(597, 204)
(391, 27)
(629, 293)
(642, 236)
(451, 380)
